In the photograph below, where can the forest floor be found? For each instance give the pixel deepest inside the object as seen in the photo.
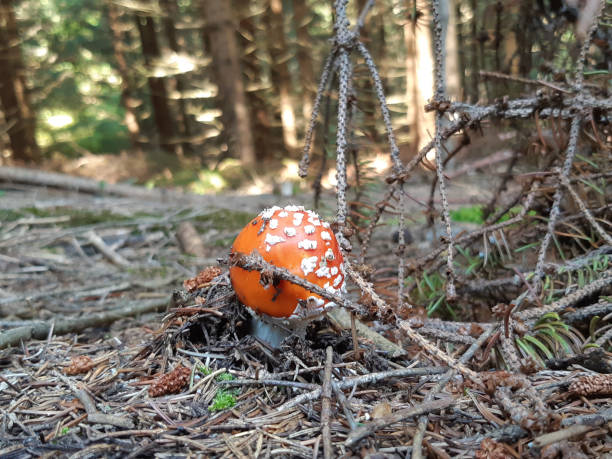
(103, 354)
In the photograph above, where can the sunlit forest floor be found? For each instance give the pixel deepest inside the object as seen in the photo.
(76, 259)
(103, 269)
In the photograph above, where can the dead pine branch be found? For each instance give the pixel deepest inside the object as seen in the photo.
(417, 440)
(371, 378)
(569, 153)
(370, 429)
(40, 330)
(326, 393)
(440, 102)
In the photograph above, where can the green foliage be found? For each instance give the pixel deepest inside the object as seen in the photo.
(225, 377)
(76, 90)
(578, 276)
(550, 338)
(223, 400)
(471, 214)
(10, 215)
(430, 292)
(474, 214)
(225, 219)
(207, 182)
(204, 370)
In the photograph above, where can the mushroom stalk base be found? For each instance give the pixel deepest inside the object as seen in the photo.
(272, 333)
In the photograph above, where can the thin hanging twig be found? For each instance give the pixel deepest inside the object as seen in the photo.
(439, 98)
(569, 155)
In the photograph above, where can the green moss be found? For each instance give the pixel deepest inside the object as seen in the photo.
(471, 214)
(223, 400)
(225, 377)
(78, 217)
(204, 370)
(225, 219)
(10, 215)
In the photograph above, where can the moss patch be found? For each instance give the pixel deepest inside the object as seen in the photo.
(225, 219)
(10, 215)
(471, 214)
(78, 217)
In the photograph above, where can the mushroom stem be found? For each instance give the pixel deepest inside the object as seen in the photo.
(272, 333)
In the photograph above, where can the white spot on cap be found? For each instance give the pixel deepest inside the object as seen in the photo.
(323, 271)
(325, 225)
(309, 264)
(271, 239)
(312, 218)
(329, 255)
(267, 214)
(292, 208)
(325, 236)
(307, 244)
(273, 223)
(297, 218)
(268, 248)
(334, 271)
(290, 231)
(338, 280)
(329, 288)
(283, 214)
(309, 229)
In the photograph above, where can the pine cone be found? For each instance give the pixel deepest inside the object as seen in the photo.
(203, 278)
(79, 365)
(592, 385)
(170, 383)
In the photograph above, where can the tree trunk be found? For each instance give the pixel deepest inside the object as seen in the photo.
(221, 34)
(170, 8)
(302, 18)
(525, 38)
(474, 66)
(419, 74)
(279, 71)
(461, 57)
(449, 26)
(157, 86)
(18, 113)
(127, 93)
(265, 143)
(366, 96)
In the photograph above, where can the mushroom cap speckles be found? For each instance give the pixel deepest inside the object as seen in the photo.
(297, 240)
(297, 218)
(307, 244)
(308, 265)
(272, 239)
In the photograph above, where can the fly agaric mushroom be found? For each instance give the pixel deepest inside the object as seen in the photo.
(297, 240)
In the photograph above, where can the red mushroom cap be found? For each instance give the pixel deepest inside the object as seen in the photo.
(297, 240)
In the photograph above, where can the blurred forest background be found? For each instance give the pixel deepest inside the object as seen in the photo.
(211, 94)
